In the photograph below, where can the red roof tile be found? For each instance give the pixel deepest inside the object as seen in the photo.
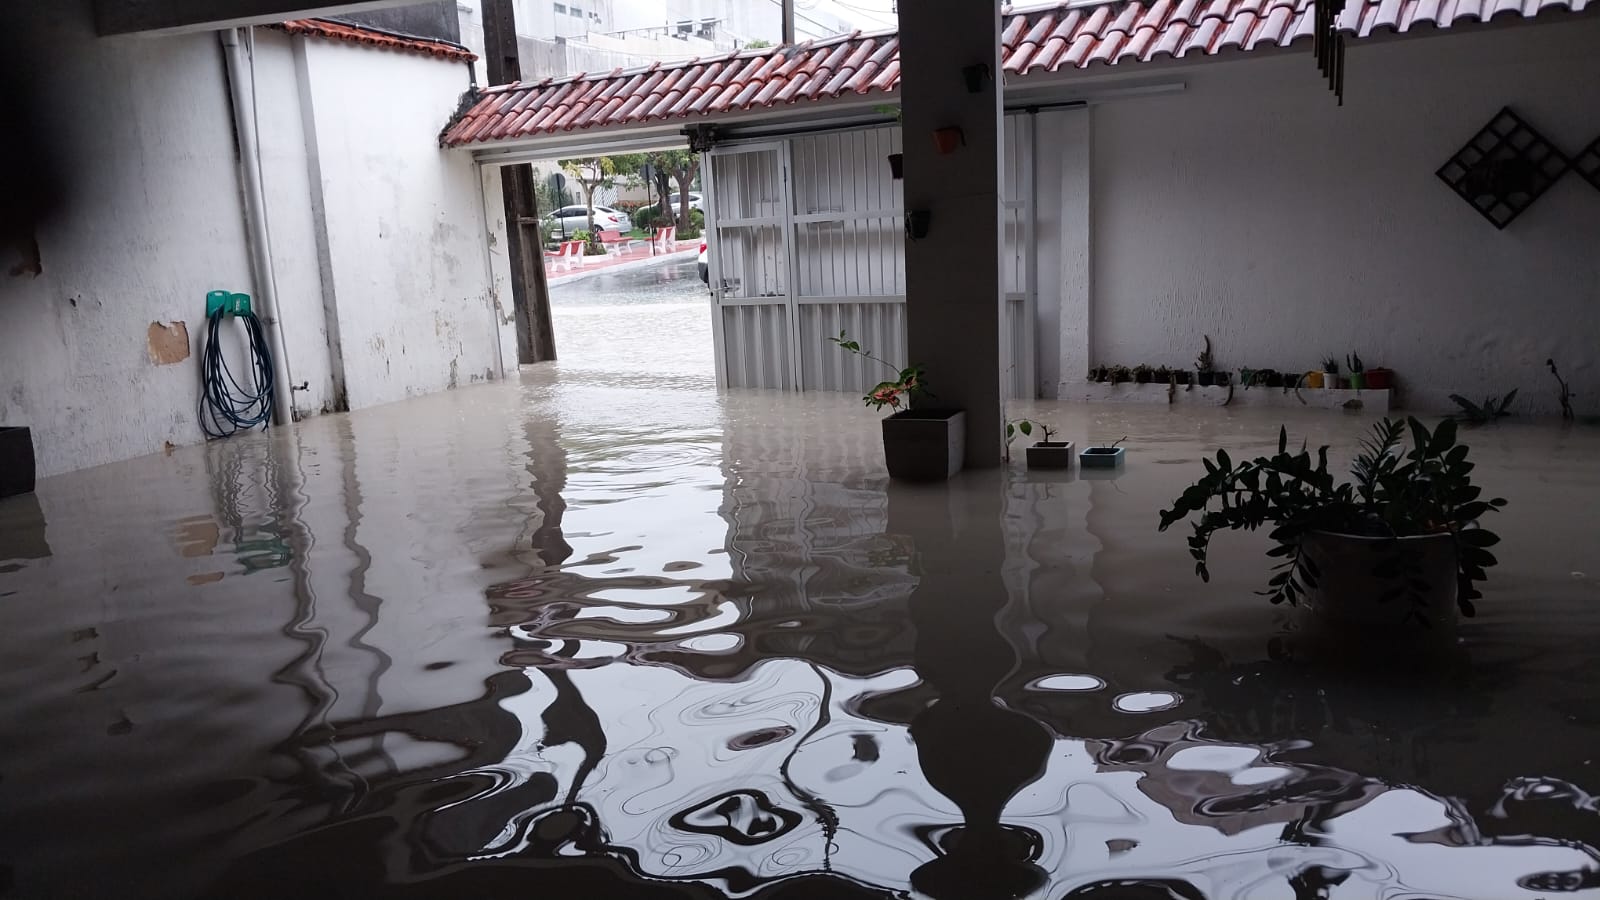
(1066, 35)
(355, 34)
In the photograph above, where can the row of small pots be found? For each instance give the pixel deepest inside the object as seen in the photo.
(1379, 379)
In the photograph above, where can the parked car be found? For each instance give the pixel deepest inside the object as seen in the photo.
(568, 219)
(705, 269)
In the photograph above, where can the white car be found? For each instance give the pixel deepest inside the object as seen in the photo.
(705, 268)
(569, 219)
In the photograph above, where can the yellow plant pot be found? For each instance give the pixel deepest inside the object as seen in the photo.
(1313, 380)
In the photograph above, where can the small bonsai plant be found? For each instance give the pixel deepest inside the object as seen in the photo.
(1024, 427)
(1493, 408)
(1428, 491)
(908, 385)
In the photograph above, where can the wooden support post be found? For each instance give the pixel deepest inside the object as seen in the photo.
(530, 291)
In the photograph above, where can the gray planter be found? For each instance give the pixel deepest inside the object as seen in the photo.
(925, 444)
(1349, 593)
(1102, 457)
(1050, 455)
(16, 461)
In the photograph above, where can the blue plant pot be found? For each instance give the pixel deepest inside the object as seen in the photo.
(1101, 457)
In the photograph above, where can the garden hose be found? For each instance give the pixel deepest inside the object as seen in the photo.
(226, 406)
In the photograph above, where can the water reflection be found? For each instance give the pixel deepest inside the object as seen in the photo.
(528, 650)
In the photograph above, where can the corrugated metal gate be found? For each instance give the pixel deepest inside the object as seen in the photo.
(807, 239)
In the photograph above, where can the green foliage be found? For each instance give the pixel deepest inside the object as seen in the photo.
(1025, 427)
(1353, 363)
(909, 384)
(1203, 362)
(889, 109)
(757, 44)
(1493, 408)
(1330, 365)
(1427, 491)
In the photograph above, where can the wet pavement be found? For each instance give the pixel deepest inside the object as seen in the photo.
(591, 635)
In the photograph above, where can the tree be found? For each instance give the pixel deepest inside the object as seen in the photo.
(591, 173)
(757, 44)
(683, 166)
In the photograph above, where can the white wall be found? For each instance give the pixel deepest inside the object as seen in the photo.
(143, 129)
(152, 222)
(405, 224)
(1251, 208)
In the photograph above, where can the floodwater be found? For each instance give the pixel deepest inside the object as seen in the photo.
(596, 637)
(650, 322)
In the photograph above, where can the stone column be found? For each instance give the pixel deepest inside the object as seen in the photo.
(953, 289)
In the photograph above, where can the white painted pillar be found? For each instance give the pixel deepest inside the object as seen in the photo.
(953, 291)
(1074, 148)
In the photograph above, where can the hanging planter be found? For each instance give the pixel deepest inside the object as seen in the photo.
(17, 466)
(897, 166)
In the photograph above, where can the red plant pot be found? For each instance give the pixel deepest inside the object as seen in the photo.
(1379, 379)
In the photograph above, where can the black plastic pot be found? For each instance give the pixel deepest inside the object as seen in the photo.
(1207, 379)
(924, 444)
(897, 166)
(16, 461)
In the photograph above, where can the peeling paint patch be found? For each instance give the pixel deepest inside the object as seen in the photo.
(205, 578)
(197, 536)
(168, 344)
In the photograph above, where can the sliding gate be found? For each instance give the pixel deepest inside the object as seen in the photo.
(806, 239)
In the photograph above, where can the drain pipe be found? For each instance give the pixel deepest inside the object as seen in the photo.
(255, 217)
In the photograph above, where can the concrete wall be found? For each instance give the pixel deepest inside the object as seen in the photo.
(1249, 207)
(405, 224)
(439, 19)
(368, 219)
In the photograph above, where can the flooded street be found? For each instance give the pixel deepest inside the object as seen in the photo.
(651, 322)
(597, 634)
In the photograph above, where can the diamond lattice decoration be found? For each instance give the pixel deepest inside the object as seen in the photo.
(1587, 163)
(1504, 168)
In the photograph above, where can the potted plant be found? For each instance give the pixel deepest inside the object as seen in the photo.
(1492, 409)
(1120, 374)
(1181, 377)
(1099, 374)
(1379, 379)
(1270, 377)
(1044, 454)
(1142, 374)
(919, 443)
(1108, 457)
(1163, 375)
(1358, 378)
(1204, 366)
(1330, 373)
(17, 464)
(1400, 543)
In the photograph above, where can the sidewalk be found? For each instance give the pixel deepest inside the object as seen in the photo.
(637, 256)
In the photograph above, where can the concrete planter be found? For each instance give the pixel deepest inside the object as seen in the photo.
(17, 467)
(925, 444)
(1050, 455)
(1102, 457)
(1349, 594)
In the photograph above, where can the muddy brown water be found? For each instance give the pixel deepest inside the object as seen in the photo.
(582, 636)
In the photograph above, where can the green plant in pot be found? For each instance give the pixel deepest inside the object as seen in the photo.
(1398, 544)
(1330, 372)
(1358, 371)
(919, 443)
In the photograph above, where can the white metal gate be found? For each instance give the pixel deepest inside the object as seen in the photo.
(807, 239)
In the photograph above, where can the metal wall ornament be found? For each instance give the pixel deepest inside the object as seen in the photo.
(1587, 163)
(1504, 168)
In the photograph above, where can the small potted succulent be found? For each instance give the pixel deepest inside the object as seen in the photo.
(1108, 457)
(1181, 377)
(1142, 374)
(1163, 375)
(1330, 372)
(1121, 375)
(1358, 374)
(1399, 544)
(1100, 374)
(1042, 454)
(919, 443)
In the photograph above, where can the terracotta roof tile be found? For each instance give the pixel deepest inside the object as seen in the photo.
(1048, 38)
(372, 37)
